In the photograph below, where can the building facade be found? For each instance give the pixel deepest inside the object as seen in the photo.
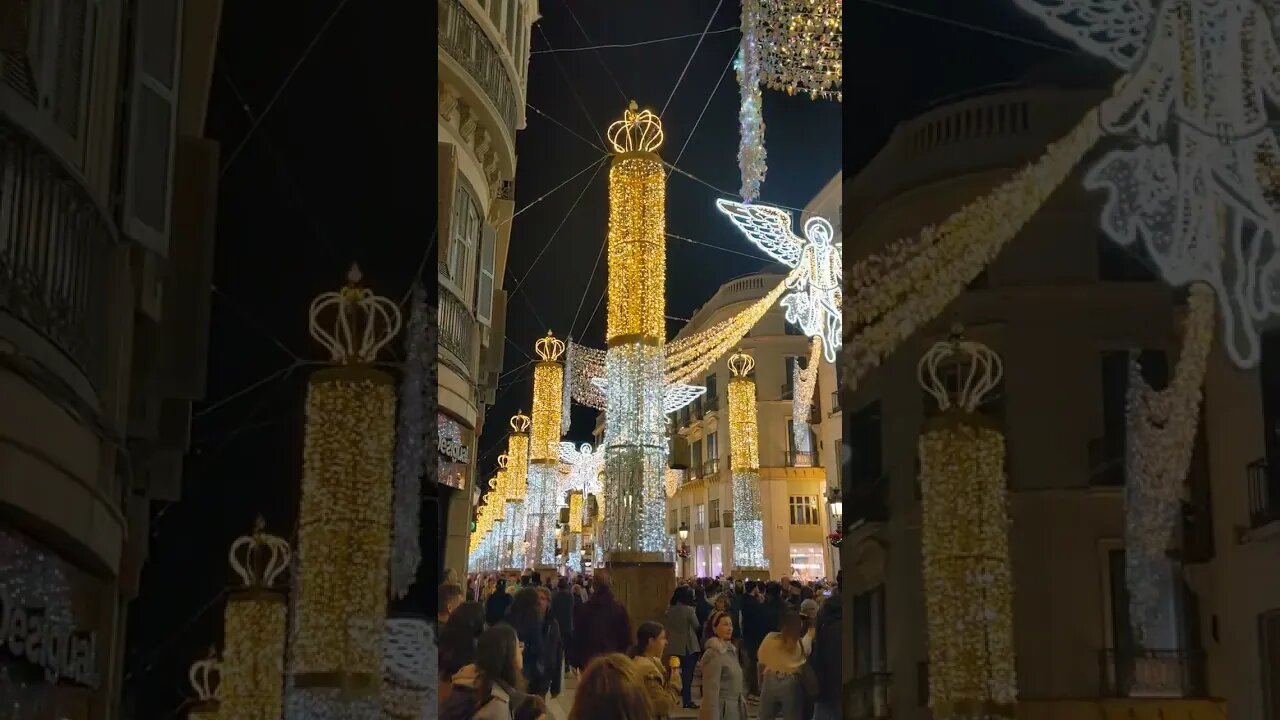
(1062, 305)
(483, 61)
(795, 482)
(107, 201)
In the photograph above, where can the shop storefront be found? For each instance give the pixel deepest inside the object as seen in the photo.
(54, 634)
(454, 442)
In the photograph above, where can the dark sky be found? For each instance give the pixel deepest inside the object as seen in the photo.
(334, 174)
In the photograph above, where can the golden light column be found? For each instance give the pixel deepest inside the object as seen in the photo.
(965, 539)
(205, 677)
(254, 628)
(544, 451)
(518, 482)
(340, 598)
(635, 421)
(744, 463)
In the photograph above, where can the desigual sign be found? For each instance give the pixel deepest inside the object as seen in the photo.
(28, 635)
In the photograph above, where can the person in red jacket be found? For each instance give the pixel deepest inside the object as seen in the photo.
(600, 625)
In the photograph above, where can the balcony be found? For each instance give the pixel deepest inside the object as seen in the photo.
(466, 42)
(1264, 493)
(710, 468)
(457, 328)
(55, 251)
(802, 459)
(1151, 674)
(867, 697)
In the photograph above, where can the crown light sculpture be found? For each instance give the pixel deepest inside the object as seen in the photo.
(344, 528)
(635, 423)
(254, 628)
(544, 450)
(744, 461)
(205, 677)
(965, 538)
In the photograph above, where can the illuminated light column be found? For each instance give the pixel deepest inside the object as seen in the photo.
(744, 461)
(254, 629)
(344, 528)
(544, 452)
(409, 669)
(635, 424)
(965, 539)
(518, 481)
(205, 677)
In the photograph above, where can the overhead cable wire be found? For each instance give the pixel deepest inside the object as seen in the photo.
(550, 192)
(599, 164)
(761, 258)
(597, 52)
(572, 87)
(585, 291)
(231, 158)
(973, 27)
(566, 127)
(732, 56)
(610, 46)
(689, 62)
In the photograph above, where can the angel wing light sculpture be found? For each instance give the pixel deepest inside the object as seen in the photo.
(1197, 185)
(814, 302)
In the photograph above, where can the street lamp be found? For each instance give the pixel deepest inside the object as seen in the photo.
(683, 551)
(837, 506)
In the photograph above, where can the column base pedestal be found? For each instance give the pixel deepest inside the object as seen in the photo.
(642, 582)
(750, 573)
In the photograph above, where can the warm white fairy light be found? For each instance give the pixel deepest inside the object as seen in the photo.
(816, 285)
(802, 42)
(587, 465)
(882, 315)
(1198, 184)
(544, 449)
(965, 542)
(805, 381)
(635, 452)
(673, 398)
(744, 461)
(1160, 440)
(751, 152)
(409, 670)
(361, 325)
(411, 440)
(691, 357)
(205, 677)
(254, 629)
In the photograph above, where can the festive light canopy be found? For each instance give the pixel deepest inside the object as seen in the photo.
(814, 303)
(801, 43)
(1197, 185)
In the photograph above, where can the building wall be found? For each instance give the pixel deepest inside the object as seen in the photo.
(92, 295)
(711, 480)
(1044, 307)
(483, 57)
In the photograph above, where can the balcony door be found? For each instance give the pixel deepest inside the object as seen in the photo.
(1167, 662)
(870, 639)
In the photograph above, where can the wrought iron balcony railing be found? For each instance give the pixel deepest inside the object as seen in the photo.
(867, 697)
(1152, 673)
(55, 248)
(710, 467)
(799, 459)
(457, 327)
(465, 41)
(1264, 493)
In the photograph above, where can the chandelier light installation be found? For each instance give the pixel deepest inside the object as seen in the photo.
(801, 42)
(965, 539)
(344, 527)
(744, 459)
(544, 450)
(517, 468)
(635, 389)
(205, 677)
(1195, 182)
(804, 383)
(410, 669)
(254, 628)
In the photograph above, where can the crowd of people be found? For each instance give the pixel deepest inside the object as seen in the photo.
(506, 645)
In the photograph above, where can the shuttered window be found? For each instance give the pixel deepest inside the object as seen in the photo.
(484, 285)
(152, 122)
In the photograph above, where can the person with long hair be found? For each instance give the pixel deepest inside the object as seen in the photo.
(498, 603)
(601, 624)
(723, 690)
(682, 625)
(610, 688)
(528, 616)
(457, 646)
(781, 660)
(648, 655)
(491, 687)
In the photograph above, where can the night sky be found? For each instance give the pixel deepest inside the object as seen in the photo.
(336, 173)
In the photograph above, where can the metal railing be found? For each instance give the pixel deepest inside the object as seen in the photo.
(1152, 673)
(1264, 493)
(710, 467)
(457, 327)
(55, 251)
(466, 42)
(867, 697)
(799, 459)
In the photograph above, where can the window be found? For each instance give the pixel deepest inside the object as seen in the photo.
(713, 454)
(715, 514)
(672, 525)
(511, 25)
(804, 509)
(467, 220)
(684, 516)
(695, 457)
(802, 456)
(700, 568)
(862, 445)
(700, 518)
(791, 329)
(1119, 264)
(484, 288)
(712, 400)
(1106, 454)
(870, 640)
(1128, 674)
(807, 561)
(717, 560)
(153, 115)
(1269, 375)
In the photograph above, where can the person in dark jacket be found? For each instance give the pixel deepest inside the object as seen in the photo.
(552, 644)
(562, 611)
(495, 608)
(457, 645)
(601, 624)
(528, 617)
(826, 659)
(755, 625)
(701, 606)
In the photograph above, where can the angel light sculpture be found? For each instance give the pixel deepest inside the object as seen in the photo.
(1200, 188)
(814, 302)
